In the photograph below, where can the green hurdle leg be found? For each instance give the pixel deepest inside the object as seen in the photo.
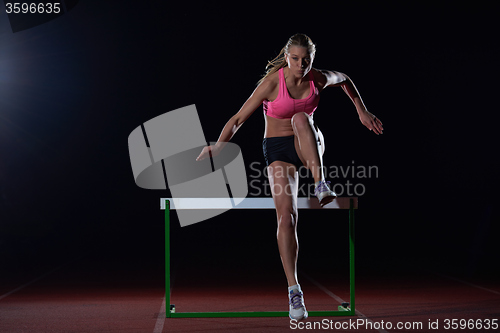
(351, 255)
(168, 309)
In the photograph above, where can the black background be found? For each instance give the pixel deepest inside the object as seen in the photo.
(74, 88)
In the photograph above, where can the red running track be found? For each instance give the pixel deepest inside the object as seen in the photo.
(95, 294)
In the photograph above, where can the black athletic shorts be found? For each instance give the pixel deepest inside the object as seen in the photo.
(281, 148)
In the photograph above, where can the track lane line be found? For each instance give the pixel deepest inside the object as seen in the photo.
(337, 298)
(160, 321)
(78, 258)
(29, 283)
(467, 283)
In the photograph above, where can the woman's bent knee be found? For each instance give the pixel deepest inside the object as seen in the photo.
(300, 120)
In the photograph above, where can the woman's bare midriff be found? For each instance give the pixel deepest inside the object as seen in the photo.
(277, 127)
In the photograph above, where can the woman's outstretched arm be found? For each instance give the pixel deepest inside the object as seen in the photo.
(252, 103)
(336, 79)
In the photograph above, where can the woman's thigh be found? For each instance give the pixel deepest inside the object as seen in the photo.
(320, 140)
(284, 182)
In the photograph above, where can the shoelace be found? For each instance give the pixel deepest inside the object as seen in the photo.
(296, 300)
(322, 187)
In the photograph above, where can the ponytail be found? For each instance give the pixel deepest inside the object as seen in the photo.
(275, 65)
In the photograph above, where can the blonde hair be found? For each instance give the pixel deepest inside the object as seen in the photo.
(279, 62)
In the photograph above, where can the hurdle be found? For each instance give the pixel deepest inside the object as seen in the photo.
(168, 204)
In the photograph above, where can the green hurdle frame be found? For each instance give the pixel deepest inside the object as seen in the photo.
(343, 310)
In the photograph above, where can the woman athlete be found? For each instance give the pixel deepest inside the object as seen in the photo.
(289, 93)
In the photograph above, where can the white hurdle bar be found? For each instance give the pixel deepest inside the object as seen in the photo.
(253, 203)
(167, 204)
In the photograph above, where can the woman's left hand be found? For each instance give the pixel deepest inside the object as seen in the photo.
(371, 122)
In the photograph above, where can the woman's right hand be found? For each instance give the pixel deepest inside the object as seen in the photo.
(207, 151)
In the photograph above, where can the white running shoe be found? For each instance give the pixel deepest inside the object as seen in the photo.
(297, 309)
(323, 193)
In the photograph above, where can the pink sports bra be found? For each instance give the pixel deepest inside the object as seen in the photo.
(284, 106)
